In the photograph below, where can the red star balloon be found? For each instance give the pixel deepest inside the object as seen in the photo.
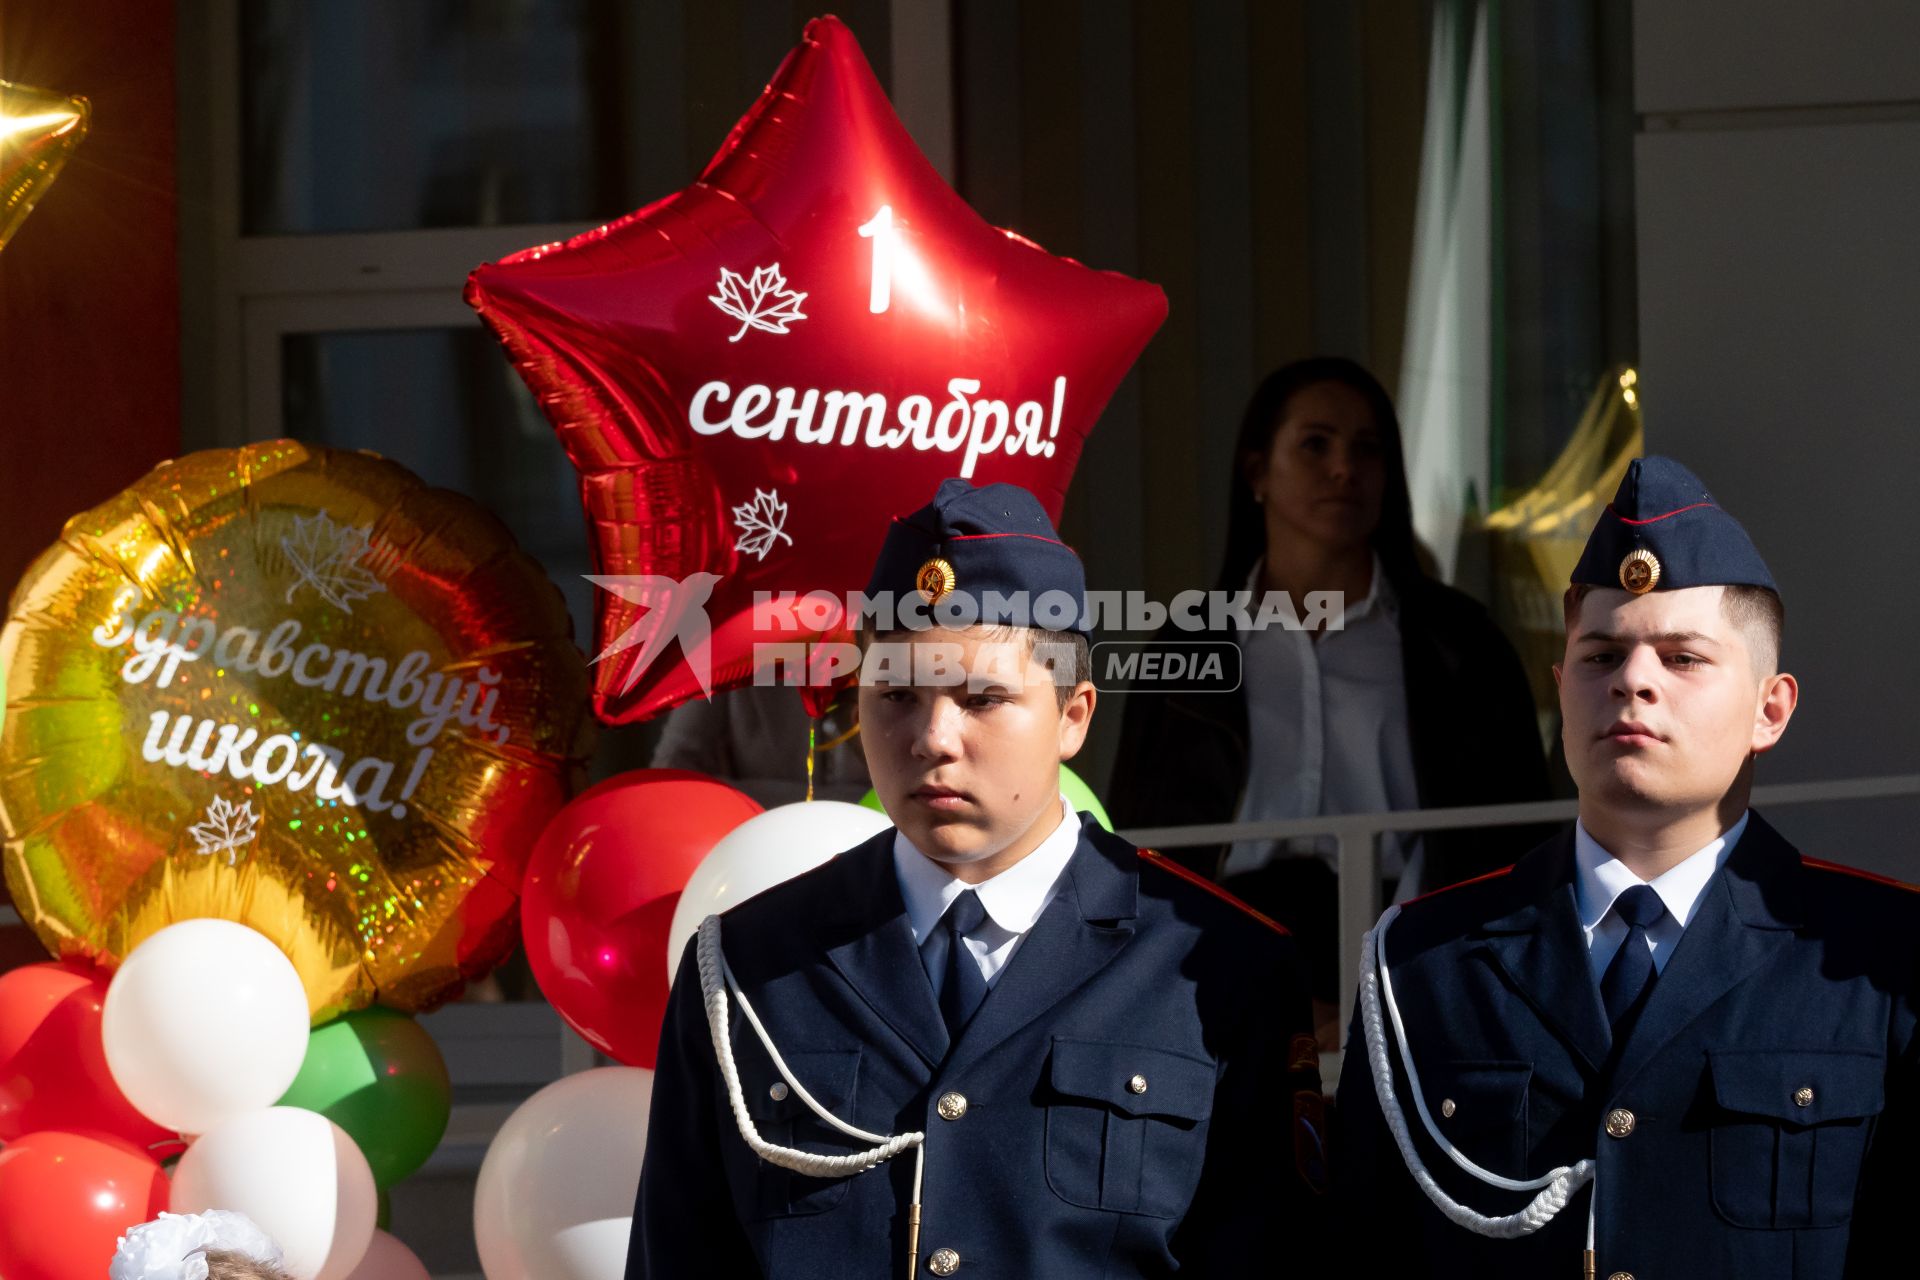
(754, 374)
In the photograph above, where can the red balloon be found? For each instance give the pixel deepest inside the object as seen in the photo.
(752, 375)
(65, 1201)
(53, 1070)
(599, 895)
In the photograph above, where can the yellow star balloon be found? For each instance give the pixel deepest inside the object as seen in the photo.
(38, 131)
(1538, 537)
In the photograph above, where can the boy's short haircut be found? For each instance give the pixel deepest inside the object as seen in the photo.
(1068, 655)
(225, 1264)
(1065, 653)
(1756, 611)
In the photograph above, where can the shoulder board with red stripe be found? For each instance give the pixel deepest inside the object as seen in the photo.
(1154, 858)
(1821, 864)
(1449, 888)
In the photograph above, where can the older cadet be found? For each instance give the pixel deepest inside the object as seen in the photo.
(1009, 1044)
(1665, 1044)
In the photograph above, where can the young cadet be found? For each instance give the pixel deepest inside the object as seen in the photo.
(1665, 1044)
(1065, 1057)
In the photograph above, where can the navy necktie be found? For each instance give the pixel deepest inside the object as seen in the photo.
(1630, 975)
(963, 987)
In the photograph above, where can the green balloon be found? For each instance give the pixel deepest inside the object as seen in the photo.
(383, 1216)
(378, 1075)
(1077, 792)
(1081, 797)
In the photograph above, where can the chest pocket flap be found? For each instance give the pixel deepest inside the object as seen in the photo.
(827, 1074)
(784, 1119)
(1126, 1126)
(1800, 1087)
(1791, 1133)
(1133, 1080)
(1481, 1107)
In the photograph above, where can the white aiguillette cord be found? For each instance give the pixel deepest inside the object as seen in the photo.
(1554, 1189)
(716, 980)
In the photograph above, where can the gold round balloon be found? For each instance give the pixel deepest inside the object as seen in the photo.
(296, 688)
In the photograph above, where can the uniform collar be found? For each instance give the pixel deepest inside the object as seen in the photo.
(1600, 878)
(1014, 899)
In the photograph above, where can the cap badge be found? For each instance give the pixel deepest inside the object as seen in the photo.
(934, 580)
(1639, 572)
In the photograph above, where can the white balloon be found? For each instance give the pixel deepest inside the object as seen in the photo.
(555, 1195)
(204, 1020)
(597, 1248)
(295, 1173)
(388, 1259)
(763, 851)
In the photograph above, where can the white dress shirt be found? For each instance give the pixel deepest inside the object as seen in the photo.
(1327, 726)
(1603, 878)
(1013, 899)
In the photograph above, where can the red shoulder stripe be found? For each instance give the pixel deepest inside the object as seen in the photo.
(1449, 888)
(1821, 864)
(1154, 858)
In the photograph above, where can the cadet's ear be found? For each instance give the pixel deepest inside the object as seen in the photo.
(1778, 698)
(1076, 717)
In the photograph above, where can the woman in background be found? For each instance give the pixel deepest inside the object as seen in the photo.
(1416, 702)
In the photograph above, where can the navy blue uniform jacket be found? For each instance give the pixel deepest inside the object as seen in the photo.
(1057, 1169)
(1769, 1079)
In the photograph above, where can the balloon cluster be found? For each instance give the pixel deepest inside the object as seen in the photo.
(200, 1040)
(281, 725)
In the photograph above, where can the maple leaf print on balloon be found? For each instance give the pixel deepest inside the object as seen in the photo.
(761, 522)
(226, 829)
(326, 557)
(763, 302)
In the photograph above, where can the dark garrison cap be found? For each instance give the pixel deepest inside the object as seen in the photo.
(994, 538)
(1664, 532)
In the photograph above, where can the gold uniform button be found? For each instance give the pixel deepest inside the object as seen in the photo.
(1803, 1096)
(1621, 1275)
(1447, 1108)
(1619, 1122)
(944, 1262)
(778, 1092)
(951, 1106)
(1137, 1085)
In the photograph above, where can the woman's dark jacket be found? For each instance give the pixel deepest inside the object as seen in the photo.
(1470, 713)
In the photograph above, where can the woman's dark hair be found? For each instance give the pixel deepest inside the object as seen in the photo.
(1392, 538)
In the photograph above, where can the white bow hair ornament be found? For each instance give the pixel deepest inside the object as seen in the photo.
(173, 1246)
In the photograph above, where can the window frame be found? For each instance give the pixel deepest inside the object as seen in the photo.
(241, 295)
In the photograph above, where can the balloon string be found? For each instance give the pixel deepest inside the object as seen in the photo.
(830, 745)
(814, 745)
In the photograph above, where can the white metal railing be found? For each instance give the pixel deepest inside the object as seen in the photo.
(1357, 847)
